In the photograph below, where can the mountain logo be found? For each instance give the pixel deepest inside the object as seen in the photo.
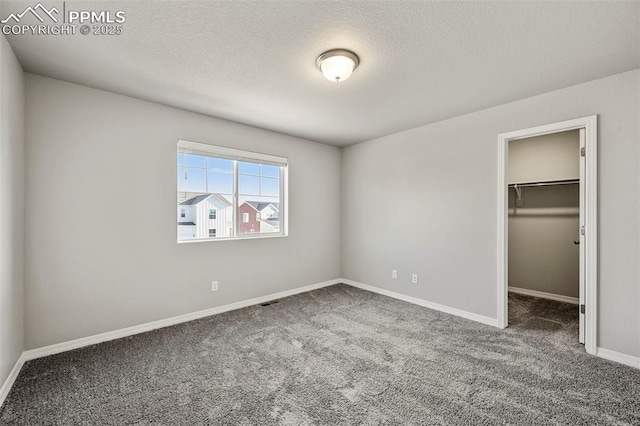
(38, 11)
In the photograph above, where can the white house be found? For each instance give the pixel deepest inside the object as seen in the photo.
(205, 216)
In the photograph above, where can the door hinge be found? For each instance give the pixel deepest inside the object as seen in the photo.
(583, 152)
(582, 309)
(582, 230)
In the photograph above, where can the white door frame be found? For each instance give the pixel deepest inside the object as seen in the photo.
(589, 124)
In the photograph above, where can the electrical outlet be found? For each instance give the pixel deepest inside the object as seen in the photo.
(414, 278)
(214, 285)
(394, 274)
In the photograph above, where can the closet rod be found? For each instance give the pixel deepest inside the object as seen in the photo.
(545, 183)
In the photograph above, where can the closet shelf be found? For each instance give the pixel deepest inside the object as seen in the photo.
(519, 185)
(544, 183)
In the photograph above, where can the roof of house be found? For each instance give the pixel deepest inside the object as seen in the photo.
(261, 205)
(200, 198)
(273, 221)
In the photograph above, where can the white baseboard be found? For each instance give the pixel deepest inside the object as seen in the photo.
(544, 295)
(6, 387)
(435, 306)
(142, 328)
(625, 359)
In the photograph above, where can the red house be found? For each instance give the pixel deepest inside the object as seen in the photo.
(258, 217)
(248, 219)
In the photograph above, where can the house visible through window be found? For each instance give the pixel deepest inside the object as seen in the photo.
(231, 187)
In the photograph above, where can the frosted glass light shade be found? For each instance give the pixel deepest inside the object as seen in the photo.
(338, 64)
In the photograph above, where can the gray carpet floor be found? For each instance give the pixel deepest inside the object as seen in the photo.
(335, 356)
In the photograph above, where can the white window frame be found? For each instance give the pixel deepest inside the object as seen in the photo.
(214, 214)
(215, 232)
(189, 147)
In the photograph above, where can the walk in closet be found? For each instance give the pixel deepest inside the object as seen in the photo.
(544, 216)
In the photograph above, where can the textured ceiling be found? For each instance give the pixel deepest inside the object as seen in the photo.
(254, 62)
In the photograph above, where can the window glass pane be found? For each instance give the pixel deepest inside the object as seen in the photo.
(259, 199)
(220, 182)
(267, 170)
(269, 186)
(220, 164)
(248, 168)
(248, 185)
(191, 180)
(196, 160)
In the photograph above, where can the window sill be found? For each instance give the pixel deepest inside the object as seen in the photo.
(248, 237)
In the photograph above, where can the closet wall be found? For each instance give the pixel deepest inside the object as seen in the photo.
(544, 223)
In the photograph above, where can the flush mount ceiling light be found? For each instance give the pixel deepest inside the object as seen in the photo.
(337, 64)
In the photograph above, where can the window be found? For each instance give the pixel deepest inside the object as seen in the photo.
(230, 186)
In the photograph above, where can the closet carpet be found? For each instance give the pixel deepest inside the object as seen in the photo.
(335, 356)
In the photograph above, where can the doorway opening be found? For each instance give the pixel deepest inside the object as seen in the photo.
(574, 190)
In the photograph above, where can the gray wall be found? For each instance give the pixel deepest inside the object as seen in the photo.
(546, 157)
(425, 201)
(544, 224)
(11, 209)
(101, 217)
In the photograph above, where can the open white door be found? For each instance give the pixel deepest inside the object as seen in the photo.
(581, 233)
